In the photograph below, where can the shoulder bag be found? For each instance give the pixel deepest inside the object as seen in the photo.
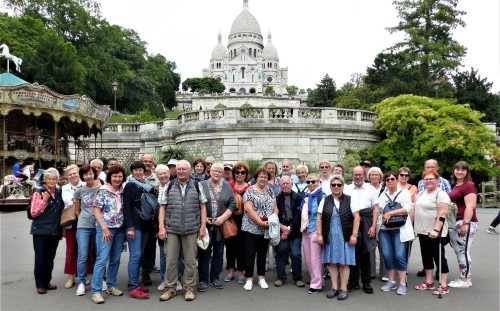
(68, 216)
(392, 205)
(229, 228)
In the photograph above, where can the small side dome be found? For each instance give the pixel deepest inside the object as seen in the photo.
(269, 52)
(219, 52)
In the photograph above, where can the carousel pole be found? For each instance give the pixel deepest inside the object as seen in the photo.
(4, 146)
(56, 145)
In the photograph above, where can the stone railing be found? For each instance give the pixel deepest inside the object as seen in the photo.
(296, 115)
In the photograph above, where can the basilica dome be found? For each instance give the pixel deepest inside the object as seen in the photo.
(245, 22)
(269, 52)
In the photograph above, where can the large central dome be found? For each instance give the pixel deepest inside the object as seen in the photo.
(245, 22)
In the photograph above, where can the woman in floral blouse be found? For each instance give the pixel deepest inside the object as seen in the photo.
(110, 233)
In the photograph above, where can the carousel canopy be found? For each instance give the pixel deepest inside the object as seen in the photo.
(17, 94)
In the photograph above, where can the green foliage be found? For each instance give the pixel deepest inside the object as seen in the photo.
(415, 129)
(203, 85)
(354, 94)
(174, 152)
(269, 90)
(324, 94)
(427, 26)
(253, 165)
(292, 90)
(68, 47)
(473, 90)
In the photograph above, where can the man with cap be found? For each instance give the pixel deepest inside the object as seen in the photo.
(228, 172)
(366, 165)
(171, 166)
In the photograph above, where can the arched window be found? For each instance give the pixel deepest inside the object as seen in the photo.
(250, 51)
(254, 54)
(242, 72)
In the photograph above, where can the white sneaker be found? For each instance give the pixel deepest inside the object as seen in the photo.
(458, 283)
(262, 283)
(179, 286)
(80, 291)
(104, 285)
(248, 285)
(161, 287)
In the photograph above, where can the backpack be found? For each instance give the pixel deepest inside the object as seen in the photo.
(149, 206)
(392, 205)
(196, 185)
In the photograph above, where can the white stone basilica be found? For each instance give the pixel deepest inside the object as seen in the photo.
(247, 66)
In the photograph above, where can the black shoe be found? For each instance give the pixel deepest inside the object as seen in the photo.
(421, 273)
(313, 290)
(367, 288)
(146, 280)
(332, 293)
(217, 284)
(308, 284)
(326, 275)
(202, 287)
(351, 287)
(342, 295)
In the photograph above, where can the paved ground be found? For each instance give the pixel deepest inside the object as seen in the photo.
(18, 288)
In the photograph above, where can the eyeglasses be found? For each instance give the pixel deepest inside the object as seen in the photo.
(240, 173)
(334, 185)
(323, 167)
(429, 179)
(216, 171)
(390, 179)
(404, 175)
(310, 182)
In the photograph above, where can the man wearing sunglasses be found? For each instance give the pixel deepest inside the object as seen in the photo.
(364, 199)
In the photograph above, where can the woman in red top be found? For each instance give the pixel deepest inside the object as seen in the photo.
(235, 252)
(464, 195)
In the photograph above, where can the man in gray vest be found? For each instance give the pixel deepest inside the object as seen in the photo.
(183, 219)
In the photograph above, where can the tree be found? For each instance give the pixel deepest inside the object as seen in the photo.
(473, 90)
(292, 90)
(205, 85)
(414, 129)
(269, 90)
(324, 94)
(354, 94)
(428, 43)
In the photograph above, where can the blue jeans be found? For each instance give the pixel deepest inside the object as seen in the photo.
(292, 248)
(393, 250)
(205, 259)
(136, 250)
(163, 259)
(105, 251)
(84, 236)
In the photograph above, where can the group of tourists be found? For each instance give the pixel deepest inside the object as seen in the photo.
(336, 226)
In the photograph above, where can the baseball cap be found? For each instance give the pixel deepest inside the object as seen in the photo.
(172, 162)
(228, 165)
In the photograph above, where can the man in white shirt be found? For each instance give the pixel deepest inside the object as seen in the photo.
(364, 198)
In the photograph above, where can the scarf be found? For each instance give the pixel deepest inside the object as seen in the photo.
(304, 215)
(141, 184)
(116, 193)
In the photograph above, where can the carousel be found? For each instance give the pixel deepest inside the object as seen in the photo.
(42, 129)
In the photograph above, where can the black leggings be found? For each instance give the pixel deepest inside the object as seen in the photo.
(255, 244)
(495, 221)
(429, 250)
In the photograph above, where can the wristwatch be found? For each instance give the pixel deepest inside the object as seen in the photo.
(356, 235)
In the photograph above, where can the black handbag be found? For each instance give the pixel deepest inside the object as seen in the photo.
(392, 205)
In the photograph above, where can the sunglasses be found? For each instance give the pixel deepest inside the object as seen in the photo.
(240, 173)
(324, 167)
(390, 179)
(334, 185)
(404, 175)
(310, 182)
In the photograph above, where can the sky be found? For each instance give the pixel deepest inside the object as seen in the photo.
(313, 38)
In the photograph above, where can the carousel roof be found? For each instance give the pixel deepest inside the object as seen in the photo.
(17, 94)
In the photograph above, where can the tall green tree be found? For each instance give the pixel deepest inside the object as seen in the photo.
(204, 85)
(324, 94)
(428, 26)
(415, 128)
(292, 90)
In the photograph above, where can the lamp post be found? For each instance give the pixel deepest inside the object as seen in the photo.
(115, 89)
(436, 86)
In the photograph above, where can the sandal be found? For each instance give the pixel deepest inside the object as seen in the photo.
(443, 291)
(425, 286)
